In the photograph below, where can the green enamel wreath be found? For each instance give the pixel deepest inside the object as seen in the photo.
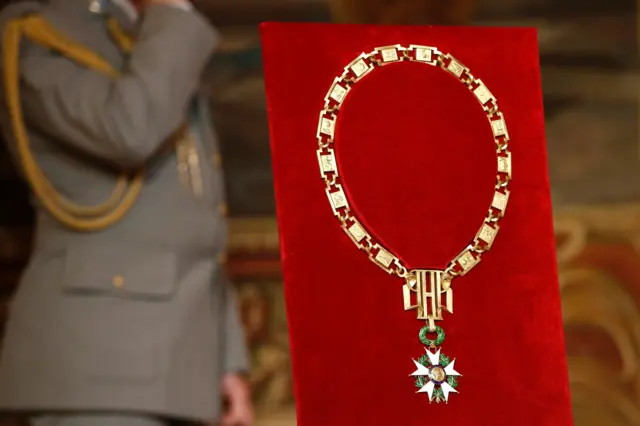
(424, 331)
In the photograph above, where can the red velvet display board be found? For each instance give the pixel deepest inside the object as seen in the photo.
(417, 160)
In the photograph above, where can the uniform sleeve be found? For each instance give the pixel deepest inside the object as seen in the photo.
(236, 356)
(127, 119)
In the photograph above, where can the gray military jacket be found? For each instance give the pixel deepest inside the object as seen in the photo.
(138, 317)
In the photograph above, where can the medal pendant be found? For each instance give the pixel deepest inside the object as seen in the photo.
(435, 373)
(429, 292)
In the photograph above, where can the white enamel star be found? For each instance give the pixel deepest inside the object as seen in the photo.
(436, 375)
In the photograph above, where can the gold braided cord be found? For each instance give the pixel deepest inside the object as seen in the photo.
(122, 40)
(127, 188)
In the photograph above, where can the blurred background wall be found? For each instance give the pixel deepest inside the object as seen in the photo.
(589, 59)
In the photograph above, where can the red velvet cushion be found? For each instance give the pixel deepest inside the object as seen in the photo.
(418, 161)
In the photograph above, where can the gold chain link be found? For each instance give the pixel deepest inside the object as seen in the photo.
(340, 88)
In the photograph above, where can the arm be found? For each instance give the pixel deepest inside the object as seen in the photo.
(123, 120)
(236, 355)
(235, 388)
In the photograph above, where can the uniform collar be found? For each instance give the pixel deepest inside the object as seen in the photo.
(125, 13)
(122, 10)
(127, 8)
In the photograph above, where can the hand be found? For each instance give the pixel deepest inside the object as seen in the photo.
(236, 391)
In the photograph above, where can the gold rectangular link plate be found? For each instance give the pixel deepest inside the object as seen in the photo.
(504, 164)
(455, 67)
(500, 201)
(338, 199)
(483, 94)
(389, 54)
(327, 162)
(487, 234)
(327, 126)
(383, 257)
(359, 67)
(357, 233)
(425, 54)
(337, 92)
(499, 128)
(467, 261)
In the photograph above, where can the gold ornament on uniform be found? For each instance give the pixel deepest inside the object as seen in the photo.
(428, 292)
(189, 162)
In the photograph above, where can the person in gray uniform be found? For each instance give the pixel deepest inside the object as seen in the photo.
(123, 316)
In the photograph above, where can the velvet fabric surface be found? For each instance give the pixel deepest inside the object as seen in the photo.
(418, 162)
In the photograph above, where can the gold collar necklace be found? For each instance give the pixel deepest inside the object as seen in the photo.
(427, 291)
